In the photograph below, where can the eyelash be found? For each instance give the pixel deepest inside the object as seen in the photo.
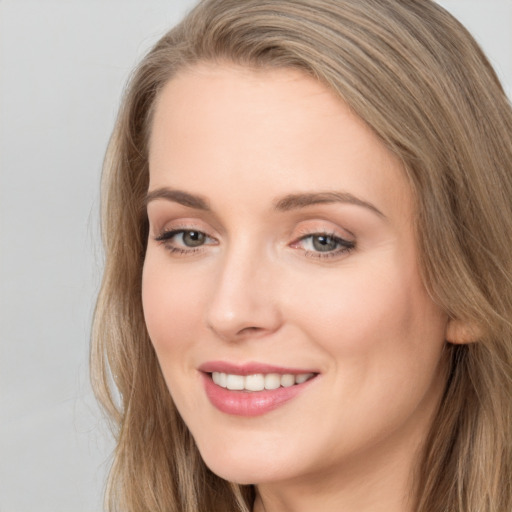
(166, 239)
(344, 246)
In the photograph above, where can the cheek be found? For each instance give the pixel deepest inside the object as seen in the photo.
(377, 314)
(384, 339)
(171, 305)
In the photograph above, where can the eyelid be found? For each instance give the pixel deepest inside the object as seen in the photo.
(160, 226)
(321, 226)
(166, 234)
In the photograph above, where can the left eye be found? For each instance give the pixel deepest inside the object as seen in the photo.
(325, 243)
(192, 238)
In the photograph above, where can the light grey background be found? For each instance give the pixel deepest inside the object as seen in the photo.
(63, 65)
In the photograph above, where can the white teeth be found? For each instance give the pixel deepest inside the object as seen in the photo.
(299, 379)
(235, 382)
(287, 380)
(255, 382)
(220, 379)
(258, 381)
(272, 381)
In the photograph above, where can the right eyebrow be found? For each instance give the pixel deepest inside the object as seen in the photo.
(178, 196)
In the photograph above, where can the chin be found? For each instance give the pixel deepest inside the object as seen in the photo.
(242, 474)
(243, 469)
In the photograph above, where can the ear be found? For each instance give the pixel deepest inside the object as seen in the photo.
(460, 332)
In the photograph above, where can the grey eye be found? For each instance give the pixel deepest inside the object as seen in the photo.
(324, 243)
(193, 238)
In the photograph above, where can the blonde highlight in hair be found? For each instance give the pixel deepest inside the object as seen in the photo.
(420, 81)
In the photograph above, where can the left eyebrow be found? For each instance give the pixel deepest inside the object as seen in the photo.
(297, 201)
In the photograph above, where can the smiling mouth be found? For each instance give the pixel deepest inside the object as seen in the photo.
(259, 381)
(253, 389)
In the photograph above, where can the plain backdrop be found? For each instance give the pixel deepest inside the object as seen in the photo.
(63, 65)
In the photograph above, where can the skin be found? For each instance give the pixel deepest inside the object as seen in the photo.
(258, 289)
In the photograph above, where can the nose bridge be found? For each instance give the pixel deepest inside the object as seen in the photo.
(243, 300)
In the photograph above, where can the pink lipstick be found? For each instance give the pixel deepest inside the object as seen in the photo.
(252, 389)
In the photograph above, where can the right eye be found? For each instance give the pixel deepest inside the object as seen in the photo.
(184, 240)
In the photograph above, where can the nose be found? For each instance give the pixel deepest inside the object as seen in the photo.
(244, 301)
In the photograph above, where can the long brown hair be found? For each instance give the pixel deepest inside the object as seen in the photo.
(420, 81)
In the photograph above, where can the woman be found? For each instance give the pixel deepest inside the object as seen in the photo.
(308, 287)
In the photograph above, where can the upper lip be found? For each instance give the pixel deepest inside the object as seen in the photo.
(250, 368)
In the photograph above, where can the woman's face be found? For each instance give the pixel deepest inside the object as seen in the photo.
(282, 255)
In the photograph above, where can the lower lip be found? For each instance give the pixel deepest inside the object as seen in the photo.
(250, 403)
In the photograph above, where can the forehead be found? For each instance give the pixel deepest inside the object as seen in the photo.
(247, 99)
(244, 129)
